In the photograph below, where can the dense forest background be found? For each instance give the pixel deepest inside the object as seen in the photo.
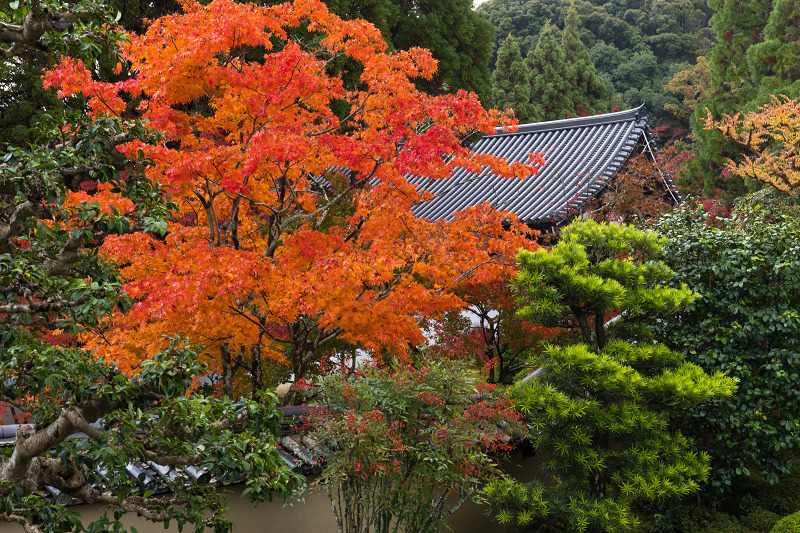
(637, 47)
(681, 58)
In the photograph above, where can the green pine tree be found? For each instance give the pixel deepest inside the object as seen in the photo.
(600, 411)
(589, 90)
(459, 38)
(738, 25)
(549, 78)
(774, 64)
(511, 88)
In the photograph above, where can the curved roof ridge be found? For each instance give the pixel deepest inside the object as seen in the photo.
(582, 156)
(578, 122)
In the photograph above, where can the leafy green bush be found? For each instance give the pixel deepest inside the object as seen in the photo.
(745, 324)
(702, 520)
(785, 496)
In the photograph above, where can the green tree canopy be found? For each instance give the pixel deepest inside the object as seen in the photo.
(588, 89)
(746, 324)
(458, 37)
(774, 64)
(510, 84)
(755, 58)
(550, 79)
(738, 25)
(614, 32)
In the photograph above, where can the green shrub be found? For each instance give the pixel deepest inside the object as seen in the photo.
(786, 494)
(600, 410)
(788, 524)
(745, 325)
(760, 519)
(702, 520)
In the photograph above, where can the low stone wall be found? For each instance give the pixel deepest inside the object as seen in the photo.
(313, 514)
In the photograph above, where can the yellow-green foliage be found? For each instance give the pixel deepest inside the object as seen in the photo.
(596, 268)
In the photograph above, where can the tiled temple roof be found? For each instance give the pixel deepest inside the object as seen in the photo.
(581, 156)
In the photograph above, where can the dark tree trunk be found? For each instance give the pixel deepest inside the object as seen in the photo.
(255, 368)
(227, 370)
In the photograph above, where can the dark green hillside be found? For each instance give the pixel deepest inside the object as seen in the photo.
(636, 45)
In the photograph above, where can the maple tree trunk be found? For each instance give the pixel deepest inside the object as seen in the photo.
(227, 370)
(354, 363)
(255, 368)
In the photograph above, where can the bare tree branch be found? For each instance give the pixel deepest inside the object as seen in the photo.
(16, 223)
(27, 527)
(35, 24)
(32, 308)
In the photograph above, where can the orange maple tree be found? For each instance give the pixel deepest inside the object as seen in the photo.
(295, 225)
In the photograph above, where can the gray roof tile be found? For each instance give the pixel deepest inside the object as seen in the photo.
(581, 155)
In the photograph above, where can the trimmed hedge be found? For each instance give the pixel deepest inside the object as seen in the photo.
(788, 524)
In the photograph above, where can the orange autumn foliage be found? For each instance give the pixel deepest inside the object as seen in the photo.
(771, 137)
(295, 224)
